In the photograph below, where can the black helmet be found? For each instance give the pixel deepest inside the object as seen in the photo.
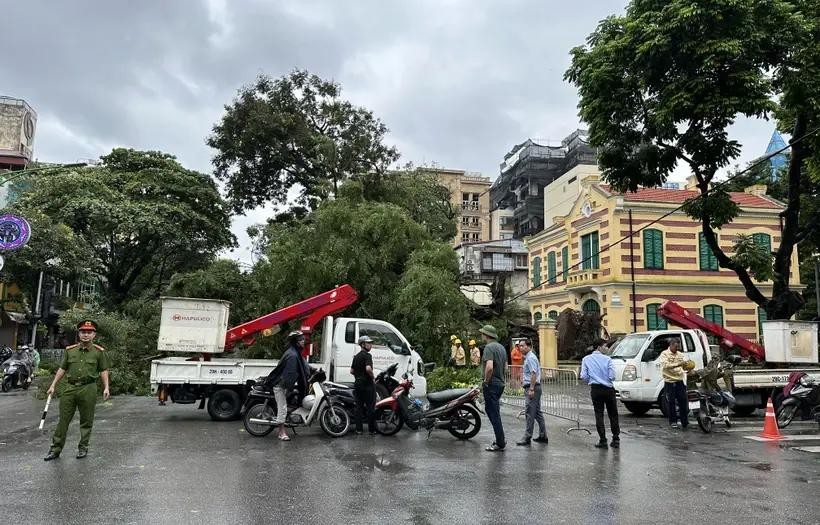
(296, 334)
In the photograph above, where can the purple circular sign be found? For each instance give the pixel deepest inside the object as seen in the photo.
(14, 232)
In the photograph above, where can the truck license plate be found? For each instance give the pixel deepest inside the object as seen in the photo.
(694, 405)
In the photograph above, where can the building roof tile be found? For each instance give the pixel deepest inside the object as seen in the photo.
(670, 196)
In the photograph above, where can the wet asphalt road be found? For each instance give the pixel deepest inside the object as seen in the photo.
(151, 464)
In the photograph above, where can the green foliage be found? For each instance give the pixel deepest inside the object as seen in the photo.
(427, 302)
(139, 217)
(754, 257)
(294, 130)
(222, 279)
(716, 206)
(663, 84)
(446, 377)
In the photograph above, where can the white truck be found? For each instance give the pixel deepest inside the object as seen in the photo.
(639, 383)
(221, 383)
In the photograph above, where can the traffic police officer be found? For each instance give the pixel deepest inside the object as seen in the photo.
(82, 364)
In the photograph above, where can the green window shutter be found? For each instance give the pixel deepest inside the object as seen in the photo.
(653, 249)
(653, 320)
(713, 313)
(595, 261)
(761, 316)
(536, 271)
(764, 240)
(551, 267)
(708, 261)
(589, 251)
(565, 262)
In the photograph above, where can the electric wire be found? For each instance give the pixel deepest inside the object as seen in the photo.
(671, 212)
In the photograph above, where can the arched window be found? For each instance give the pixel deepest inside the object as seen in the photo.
(653, 249)
(653, 320)
(553, 314)
(713, 313)
(537, 316)
(592, 306)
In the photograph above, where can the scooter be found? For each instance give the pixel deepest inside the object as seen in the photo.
(710, 404)
(454, 410)
(259, 418)
(801, 395)
(15, 374)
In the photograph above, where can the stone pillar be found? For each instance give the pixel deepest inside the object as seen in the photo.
(547, 343)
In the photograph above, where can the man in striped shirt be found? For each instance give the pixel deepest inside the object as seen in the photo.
(598, 372)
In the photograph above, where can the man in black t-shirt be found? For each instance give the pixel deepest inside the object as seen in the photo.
(364, 388)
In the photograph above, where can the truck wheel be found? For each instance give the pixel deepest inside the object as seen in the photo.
(224, 405)
(639, 409)
(743, 411)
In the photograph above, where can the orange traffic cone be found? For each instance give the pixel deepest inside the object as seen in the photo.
(770, 430)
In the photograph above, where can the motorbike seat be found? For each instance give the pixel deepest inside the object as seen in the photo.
(438, 398)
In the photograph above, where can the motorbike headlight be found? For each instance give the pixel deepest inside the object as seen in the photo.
(630, 373)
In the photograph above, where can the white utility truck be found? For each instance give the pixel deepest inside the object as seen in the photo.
(789, 346)
(199, 326)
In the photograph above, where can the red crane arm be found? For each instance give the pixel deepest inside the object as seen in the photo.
(678, 315)
(311, 311)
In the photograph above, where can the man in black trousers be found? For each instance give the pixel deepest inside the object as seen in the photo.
(364, 387)
(598, 372)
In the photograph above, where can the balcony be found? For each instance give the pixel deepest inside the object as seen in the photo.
(582, 281)
(470, 206)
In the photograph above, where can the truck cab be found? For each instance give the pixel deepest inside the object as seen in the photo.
(638, 379)
(389, 346)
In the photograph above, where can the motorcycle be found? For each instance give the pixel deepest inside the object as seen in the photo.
(801, 395)
(454, 410)
(259, 409)
(709, 403)
(386, 381)
(15, 374)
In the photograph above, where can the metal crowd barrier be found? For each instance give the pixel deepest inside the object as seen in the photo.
(559, 393)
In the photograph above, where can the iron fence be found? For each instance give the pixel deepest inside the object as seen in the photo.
(559, 394)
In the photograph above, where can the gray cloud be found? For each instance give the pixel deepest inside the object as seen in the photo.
(457, 82)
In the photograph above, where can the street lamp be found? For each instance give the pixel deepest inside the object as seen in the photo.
(816, 257)
(20, 173)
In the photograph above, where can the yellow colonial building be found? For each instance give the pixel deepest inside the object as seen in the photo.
(669, 260)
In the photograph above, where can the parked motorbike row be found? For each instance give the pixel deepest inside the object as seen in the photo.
(333, 405)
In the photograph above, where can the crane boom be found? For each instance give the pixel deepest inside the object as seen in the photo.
(310, 311)
(678, 315)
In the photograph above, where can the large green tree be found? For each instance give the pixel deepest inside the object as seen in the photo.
(662, 85)
(294, 131)
(140, 216)
(377, 248)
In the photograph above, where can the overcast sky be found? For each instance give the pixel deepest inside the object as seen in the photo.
(457, 82)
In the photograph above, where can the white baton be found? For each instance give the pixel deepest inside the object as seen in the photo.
(45, 411)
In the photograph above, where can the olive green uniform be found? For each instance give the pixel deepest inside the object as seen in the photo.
(83, 365)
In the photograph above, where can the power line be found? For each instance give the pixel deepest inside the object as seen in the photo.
(675, 210)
